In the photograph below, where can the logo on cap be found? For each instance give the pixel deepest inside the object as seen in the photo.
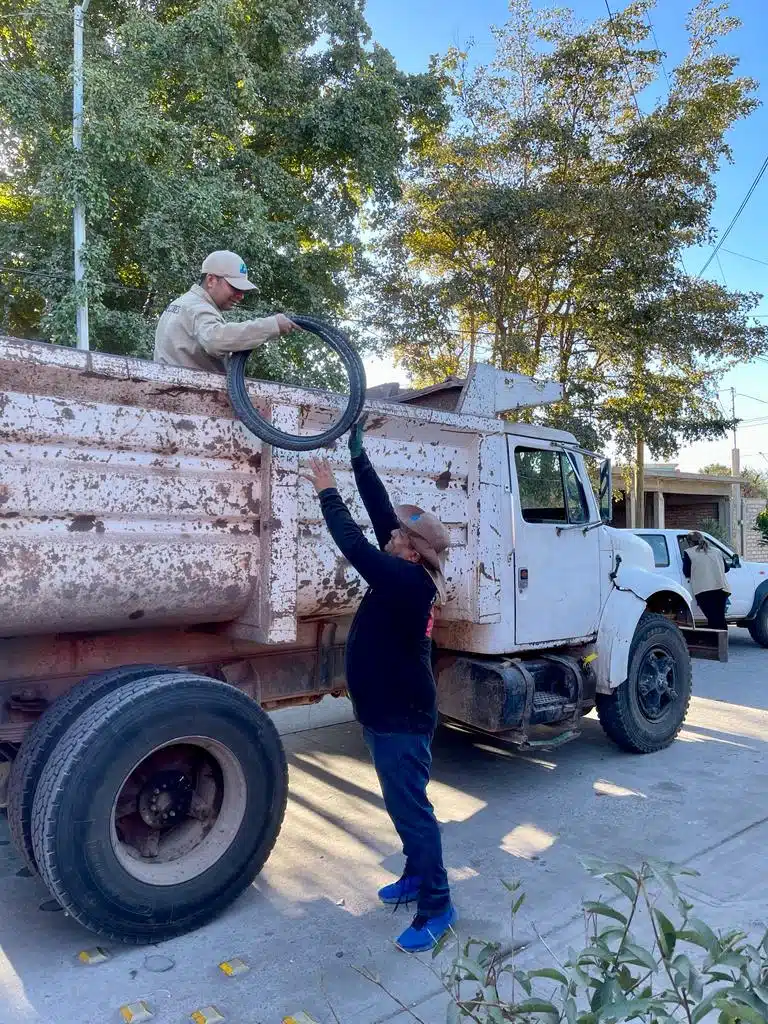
(243, 268)
(415, 517)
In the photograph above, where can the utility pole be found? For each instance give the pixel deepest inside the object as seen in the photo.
(77, 142)
(737, 517)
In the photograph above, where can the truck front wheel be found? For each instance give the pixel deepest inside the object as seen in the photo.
(758, 627)
(159, 806)
(647, 711)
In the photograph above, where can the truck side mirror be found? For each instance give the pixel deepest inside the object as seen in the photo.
(606, 491)
(735, 562)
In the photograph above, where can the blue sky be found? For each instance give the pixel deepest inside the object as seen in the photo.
(415, 29)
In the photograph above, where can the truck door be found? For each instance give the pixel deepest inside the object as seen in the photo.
(557, 561)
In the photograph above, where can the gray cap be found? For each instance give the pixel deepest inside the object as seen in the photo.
(230, 266)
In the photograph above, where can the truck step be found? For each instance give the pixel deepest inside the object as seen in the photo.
(550, 707)
(556, 741)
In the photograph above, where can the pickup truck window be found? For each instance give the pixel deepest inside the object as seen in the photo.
(727, 555)
(658, 545)
(550, 489)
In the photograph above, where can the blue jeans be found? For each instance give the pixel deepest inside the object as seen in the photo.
(402, 762)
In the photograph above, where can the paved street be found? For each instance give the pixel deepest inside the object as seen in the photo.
(312, 916)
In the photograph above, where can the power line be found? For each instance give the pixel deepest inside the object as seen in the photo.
(656, 44)
(623, 58)
(752, 398)
(722, 273)
(743, 256)
(62, 275)
(745, 200)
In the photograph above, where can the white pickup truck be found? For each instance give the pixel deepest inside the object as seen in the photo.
(166, 578)
(748, 580)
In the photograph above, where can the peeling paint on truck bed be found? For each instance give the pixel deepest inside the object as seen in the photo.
(131, 496)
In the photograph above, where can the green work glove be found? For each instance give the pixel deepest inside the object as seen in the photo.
(356, 436)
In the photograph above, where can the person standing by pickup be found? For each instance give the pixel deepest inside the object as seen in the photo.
(705, 567)
(389, 675)
(192, 331)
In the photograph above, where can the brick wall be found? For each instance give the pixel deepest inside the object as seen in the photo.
(691, 516)
(754, 550)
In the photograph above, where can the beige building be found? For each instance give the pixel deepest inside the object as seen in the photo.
(676, 500)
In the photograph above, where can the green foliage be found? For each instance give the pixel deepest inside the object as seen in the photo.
(754, 485)
(265, 128)
(761, 525)
(717, 530)
(682, 971)
(544, 230)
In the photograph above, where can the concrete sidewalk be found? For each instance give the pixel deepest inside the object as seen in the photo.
(312, 916)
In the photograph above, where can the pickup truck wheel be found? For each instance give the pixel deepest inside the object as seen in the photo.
(758, 627)
(647, 711)
(159, 807)
(40, 740)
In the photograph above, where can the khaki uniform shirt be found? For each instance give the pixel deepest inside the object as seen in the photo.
(707, 571)
(192, 332)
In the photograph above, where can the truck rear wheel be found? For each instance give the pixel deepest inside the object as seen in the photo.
(159, 807)
(40, 741)
(758, 627)
(647, 711)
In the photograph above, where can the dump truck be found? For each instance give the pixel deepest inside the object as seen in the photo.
(167, 580)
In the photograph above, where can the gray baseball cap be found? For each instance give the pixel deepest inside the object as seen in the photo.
(230, 266)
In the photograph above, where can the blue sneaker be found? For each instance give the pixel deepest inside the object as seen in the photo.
(424, 932)
(404, 890)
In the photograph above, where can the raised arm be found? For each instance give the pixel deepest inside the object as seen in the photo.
(377, 568)
(375, 498)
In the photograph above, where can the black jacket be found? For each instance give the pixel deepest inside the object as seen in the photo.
(389, 668)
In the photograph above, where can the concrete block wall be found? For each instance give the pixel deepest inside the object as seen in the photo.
(754, 549)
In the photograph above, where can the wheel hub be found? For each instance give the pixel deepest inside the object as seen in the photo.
(657, 683)
(166, 799)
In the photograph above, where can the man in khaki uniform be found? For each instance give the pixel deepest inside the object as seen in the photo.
(193, 333)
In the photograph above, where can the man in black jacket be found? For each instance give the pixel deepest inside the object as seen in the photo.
(389, 675)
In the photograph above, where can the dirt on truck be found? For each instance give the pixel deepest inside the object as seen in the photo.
(167, 580)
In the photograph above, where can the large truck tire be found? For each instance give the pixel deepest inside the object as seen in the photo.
(240, 400)
(159, 806)
(758, 627)
(646, 712)
(41, 739)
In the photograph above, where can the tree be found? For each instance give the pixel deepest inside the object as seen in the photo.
(544, 229)
(755, 483)
(261, 127)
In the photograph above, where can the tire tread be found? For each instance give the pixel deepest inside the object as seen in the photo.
(41, 740)
(613, 711)
(758, 627)
(72, 749)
